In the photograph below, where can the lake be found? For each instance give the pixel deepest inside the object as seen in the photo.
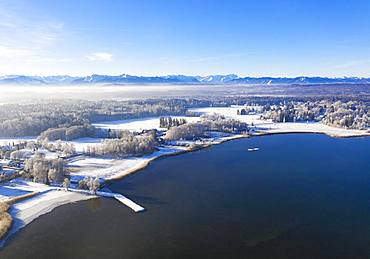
(299, 196)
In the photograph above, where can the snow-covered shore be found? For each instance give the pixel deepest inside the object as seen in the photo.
(48, 198)
(268, 127)
(109, 169)
(24, 212)
(314, 127)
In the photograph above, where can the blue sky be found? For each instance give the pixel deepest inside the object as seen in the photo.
(193, 37)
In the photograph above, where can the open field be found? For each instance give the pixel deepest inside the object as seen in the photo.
(139, 124)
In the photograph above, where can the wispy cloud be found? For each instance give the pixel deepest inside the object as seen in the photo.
(11, 53)
(19, 30)
(100, 56)
(352, 63)
(27, 37)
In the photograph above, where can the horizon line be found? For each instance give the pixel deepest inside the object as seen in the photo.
(187, 75)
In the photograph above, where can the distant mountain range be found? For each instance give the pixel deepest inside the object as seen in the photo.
(172, 79)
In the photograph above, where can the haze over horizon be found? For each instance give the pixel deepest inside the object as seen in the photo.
(156, 38)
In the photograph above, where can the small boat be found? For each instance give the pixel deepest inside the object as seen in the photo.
(253, 149)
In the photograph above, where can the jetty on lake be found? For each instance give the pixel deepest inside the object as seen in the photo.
(123, 199)
(119, 197)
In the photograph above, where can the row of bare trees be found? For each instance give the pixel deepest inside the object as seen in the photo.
(168, 122)
(127, 144)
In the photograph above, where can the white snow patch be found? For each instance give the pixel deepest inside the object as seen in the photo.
(108, 168)
(91, 162)
(139, 124)
(15, 140)
(81, 144)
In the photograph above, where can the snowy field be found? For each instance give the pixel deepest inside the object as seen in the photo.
(81, 144)
(230, 112)
(108, 169)
(22, 186)
(139, 124)
(86, 161)
(6, 141)
(6, 192)
(267, 126)
(103, 168)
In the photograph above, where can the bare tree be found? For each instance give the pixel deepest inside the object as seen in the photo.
(66, 183)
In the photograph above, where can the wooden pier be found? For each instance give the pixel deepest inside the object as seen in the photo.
(129, 203)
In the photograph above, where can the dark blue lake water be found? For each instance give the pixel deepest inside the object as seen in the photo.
(299, 196)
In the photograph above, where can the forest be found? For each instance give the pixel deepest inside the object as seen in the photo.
(73, 118)
(32, 119)
(351, 115)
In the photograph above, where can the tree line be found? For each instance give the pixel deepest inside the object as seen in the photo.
(128, 143)
(351, 114)
(33, 119)
(211, 122)
(168, 122)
